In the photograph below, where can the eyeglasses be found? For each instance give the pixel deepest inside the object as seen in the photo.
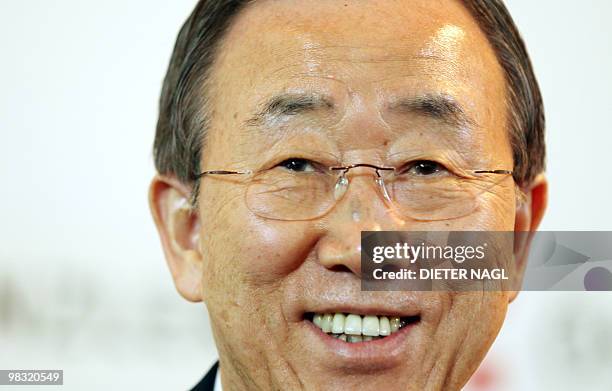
(299, 189)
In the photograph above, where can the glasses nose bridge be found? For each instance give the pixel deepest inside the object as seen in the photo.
(360, 169)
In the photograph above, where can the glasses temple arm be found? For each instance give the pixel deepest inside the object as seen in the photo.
(221, 172)
(500, 172)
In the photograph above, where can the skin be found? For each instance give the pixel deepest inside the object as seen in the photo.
(258, 276)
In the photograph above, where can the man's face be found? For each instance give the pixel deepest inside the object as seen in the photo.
(263, 279)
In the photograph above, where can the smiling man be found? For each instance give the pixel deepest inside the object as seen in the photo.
(287, 128)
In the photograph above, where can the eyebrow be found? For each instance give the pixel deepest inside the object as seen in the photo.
(440, 107)
(289, 104)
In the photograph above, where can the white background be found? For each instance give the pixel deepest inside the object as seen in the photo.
(83, 283)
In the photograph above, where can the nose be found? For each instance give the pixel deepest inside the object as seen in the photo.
(362, 208)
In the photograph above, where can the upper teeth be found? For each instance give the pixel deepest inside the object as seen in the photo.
(357, 325)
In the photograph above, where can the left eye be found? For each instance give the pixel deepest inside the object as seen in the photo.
(298, 165)
(424, 168)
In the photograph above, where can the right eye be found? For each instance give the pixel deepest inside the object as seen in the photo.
(425, 168)
(297, 165)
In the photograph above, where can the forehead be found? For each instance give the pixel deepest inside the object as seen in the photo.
(366, 53)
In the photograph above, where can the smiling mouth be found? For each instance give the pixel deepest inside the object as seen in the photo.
(354, 328)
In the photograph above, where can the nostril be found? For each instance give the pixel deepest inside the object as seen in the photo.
(340, 268)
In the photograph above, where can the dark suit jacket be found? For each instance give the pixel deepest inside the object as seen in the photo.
(208, 383)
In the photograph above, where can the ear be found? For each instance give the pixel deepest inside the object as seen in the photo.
(179, 227)
(529, 213)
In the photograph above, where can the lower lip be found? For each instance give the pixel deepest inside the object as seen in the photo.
(371, 355)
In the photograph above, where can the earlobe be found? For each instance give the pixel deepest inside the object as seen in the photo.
(529, 214)
(179, 228)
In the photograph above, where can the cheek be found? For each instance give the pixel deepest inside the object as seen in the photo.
(257, 251)
(500, 208)
(480, 315)
(495, 212)
(270, 250)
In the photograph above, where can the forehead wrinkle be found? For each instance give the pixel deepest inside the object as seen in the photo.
(414, 61)
(317, 49)
(314, 53)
